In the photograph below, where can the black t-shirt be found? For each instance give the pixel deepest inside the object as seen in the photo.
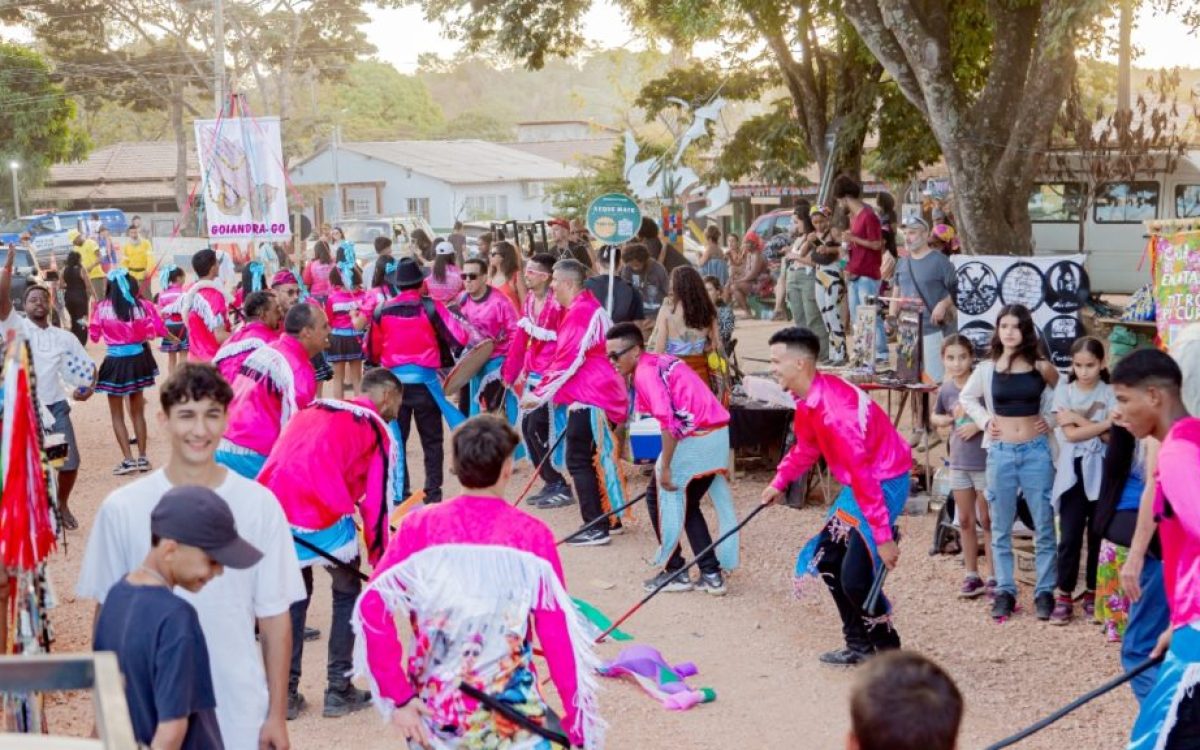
(164, 659)
(627, 301)
(574, 250)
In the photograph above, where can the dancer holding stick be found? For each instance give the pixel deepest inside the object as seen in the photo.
(580, 379)
(871, 460)
(694, 460)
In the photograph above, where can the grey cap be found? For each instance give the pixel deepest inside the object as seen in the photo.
(198, 517)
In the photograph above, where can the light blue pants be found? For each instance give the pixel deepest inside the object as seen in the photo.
(1027, 468)
(1149, 616)
(859, 289)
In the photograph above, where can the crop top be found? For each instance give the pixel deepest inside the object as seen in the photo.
(1017, 394)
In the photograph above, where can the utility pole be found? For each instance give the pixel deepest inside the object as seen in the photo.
(337, 183)
(218, 56)
(1124, 52)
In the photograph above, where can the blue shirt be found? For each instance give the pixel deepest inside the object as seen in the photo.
(1131, 494)
(164, 659)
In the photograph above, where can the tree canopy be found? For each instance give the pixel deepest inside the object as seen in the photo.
(36, 115)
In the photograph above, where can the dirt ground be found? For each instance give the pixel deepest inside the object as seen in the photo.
(757, 647)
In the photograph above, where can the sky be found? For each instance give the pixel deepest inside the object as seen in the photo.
(1162, 40)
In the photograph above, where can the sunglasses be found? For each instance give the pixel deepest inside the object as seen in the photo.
(496, 254)
(614, 356)
(470, 276)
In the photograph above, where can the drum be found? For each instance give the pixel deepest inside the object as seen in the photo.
(645, 440)
(468, 365)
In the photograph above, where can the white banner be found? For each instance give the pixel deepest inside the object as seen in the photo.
(245, 191)
(1054, 288)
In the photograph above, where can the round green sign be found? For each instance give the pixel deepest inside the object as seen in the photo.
(614, 218)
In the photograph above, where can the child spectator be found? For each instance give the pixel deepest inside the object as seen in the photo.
(1009, 397)
(156, 635)
(1081, 408)
(903, 701)
(968, 461)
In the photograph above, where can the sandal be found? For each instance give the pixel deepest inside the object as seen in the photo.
(68, 520)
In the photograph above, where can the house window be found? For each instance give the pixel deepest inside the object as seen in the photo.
(419, 207)
(1187, 201)
(1126, 202)
(485, 207)
(1055, 202)
(358, 207)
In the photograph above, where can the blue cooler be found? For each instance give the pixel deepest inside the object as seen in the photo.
(645, 439)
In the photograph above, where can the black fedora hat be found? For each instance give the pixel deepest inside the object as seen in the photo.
(407, 274)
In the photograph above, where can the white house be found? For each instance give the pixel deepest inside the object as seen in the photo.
(442, 181)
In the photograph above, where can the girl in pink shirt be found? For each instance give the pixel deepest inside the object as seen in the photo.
(171, 279)
(126, 323)
(343, 307)
(445, 282)
(316, 273)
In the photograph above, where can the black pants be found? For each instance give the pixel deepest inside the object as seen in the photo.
(694, 524)
(418, 404)
(536, 428)
(1185, 735)
(346, 588)
(846, 567)
(1075, 519)
(581, 463)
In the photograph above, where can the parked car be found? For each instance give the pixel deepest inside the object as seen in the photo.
(50, 231)
(770, 224)
(362, 232)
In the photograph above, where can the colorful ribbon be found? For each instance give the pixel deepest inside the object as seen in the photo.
(164, 275)
(346, 271)
(257, 275)
(120, 277)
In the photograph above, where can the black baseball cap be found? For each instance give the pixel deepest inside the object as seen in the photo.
(198, 517)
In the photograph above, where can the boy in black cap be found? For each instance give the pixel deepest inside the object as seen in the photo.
(156, 635)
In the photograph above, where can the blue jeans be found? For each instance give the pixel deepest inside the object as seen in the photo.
(860, 288)
(1148, 618)
(1028, 468)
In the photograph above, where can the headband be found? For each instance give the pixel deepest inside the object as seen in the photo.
(284, 276)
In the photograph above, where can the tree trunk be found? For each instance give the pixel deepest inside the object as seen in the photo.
(990, 221)
(992, 141)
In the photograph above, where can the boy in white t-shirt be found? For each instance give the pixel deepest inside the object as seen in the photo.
(250, 684)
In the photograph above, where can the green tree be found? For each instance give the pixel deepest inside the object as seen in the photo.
(599, 176)
(376, 102)
(36, 115)
(991, 134)
(477, 124)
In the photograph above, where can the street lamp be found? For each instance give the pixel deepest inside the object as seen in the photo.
(14, 165)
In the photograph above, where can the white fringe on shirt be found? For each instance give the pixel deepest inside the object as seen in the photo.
(478, 574)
